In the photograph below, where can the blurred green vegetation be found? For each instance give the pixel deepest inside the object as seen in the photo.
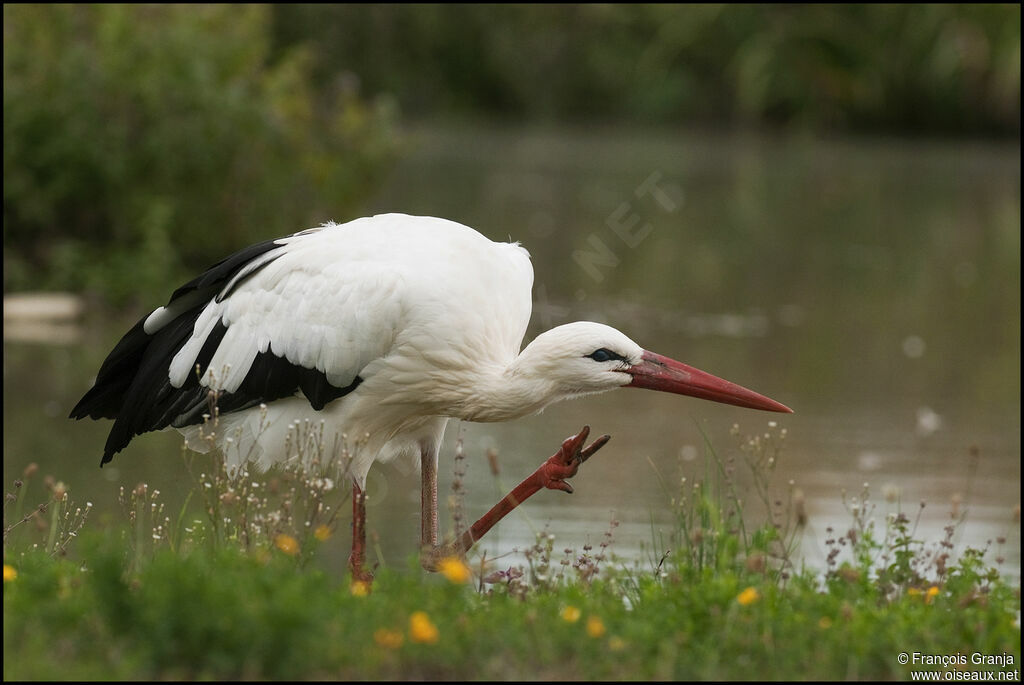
(223, 615)
(901, 68)
(143, 142)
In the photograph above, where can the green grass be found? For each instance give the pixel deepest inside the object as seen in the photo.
(227, 614)
(727, 603)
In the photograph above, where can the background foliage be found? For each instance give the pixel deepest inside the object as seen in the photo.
(937, 69)
(138, 139)
(143, 142)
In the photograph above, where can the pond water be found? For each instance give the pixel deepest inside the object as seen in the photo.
(871, 285)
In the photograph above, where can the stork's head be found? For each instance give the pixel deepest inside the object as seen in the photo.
(585, 357)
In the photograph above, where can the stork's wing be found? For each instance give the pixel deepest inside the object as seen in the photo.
(280, 317)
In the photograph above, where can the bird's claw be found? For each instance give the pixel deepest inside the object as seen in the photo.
(566, 462)
(359, 573)
(431, 556)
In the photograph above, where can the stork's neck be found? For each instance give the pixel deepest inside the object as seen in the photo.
(501, 391)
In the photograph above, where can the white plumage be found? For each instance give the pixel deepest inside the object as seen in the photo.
(412, 305)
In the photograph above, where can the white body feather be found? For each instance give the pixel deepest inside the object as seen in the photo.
(420, 308)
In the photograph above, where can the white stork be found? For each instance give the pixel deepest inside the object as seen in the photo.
(384, 328)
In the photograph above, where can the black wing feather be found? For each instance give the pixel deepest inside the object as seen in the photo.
(133, 386)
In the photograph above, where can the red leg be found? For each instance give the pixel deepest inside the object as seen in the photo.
(358, 557)
(551, 474)
(428, 499)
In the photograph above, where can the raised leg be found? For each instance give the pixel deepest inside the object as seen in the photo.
(551, 474)
(357, 559)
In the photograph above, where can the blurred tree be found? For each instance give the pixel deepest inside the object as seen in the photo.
(143, 139)
(898, 68)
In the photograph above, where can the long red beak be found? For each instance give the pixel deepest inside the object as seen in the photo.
(661, 373)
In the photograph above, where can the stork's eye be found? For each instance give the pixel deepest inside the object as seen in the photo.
(605, 355)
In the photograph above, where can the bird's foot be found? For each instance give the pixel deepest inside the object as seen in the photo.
(432, 556)
(566, 462)
(360, 575)
(551, 474)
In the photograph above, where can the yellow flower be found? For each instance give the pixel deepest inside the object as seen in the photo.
(595, 628)
(421, 629)
(616, 643)
(455, 570)
(388, 639)
(359, 588)
(748, 596)
(287, 544)
(913, 591)
(322, 532)
(10, 573)
(570, 614)
(930, 594)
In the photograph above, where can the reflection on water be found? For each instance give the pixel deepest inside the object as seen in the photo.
(873, 286)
